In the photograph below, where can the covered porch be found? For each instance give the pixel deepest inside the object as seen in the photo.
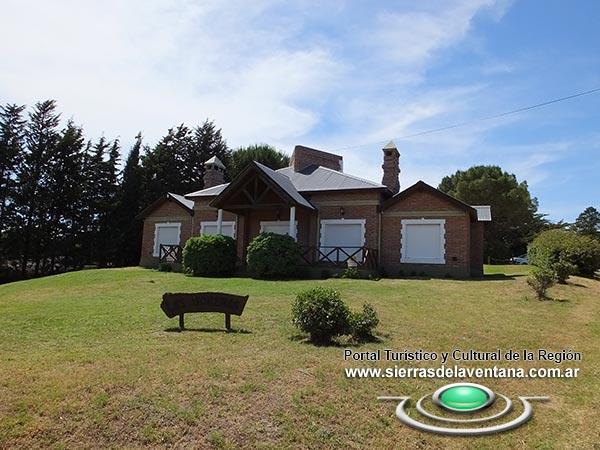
(264, 200)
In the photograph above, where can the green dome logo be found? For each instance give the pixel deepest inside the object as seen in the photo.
(463, 397)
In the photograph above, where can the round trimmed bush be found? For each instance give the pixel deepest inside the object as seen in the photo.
(562, 251)
(322, 313)
(272, 255)
(210, 255)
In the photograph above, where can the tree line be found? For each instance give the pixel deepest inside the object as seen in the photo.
(67, 201)
(515, 216)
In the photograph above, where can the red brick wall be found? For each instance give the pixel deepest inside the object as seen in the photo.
(457, 235)
(303, 157)
(169, 211)
(477, 249)
(357, 205)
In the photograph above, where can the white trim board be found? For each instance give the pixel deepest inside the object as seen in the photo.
(156, 250)
(205, 223)
(277, 222)
(441, 259)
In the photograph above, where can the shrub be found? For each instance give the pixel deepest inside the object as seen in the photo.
(272, 255)
(562, 270)
(540, 281)
(321, 313)
(563, 247)
(210, 255)
(350, 272)
(363, 323)
(325, 274)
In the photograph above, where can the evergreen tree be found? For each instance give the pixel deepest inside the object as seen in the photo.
(588, 223)
(163, 163)
(263, 153)
(129, 205)
(515, 219)
(208, 141)
(12, 127)
(32, 194)
(65, 183)
(176, 164)
(106, 159)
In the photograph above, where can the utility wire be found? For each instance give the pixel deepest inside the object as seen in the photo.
(484, 118)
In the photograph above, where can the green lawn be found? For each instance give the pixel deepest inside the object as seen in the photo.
(87, 360)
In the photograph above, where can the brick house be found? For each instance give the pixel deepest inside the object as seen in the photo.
(338, 219)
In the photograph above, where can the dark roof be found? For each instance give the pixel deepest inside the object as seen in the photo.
(280, 182)
(188, 205)
(421, 186)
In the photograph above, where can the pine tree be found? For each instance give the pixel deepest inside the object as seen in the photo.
(176, 164)
(32, 194)
(208, 142)
(66, 184)
(106, 200)
(588, 223)
(12, 127)
(162, 165)
(129, 205)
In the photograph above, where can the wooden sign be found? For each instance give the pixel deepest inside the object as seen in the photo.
(178, 304)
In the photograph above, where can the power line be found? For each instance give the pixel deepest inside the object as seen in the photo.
(484, 118)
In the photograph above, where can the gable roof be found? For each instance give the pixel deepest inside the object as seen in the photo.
(188, 205)
(421, 186)
(279, 182)
(319, 178)
(311, 179)
(286, 184)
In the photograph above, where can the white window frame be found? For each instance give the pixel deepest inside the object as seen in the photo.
(440, 259)
(214, 223)
(278, 222)
(156, 252)
(361, 222)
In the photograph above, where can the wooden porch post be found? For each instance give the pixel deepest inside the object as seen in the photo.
(292, 230)
(220, 222)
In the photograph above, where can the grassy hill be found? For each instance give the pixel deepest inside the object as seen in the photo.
(88, 359)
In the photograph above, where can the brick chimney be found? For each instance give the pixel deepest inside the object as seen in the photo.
(391, 167)
(214, 172)
(304, 157)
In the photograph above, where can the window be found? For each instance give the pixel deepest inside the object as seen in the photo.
(210, 228)
(348, 234)
(168, 233)
(278, 227)
(423, 241)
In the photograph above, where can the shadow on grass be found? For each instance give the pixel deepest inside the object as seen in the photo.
(208, 330)
(548, 299)
(304, 339)
(497, 277)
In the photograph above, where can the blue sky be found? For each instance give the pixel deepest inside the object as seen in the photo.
(343, 76)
